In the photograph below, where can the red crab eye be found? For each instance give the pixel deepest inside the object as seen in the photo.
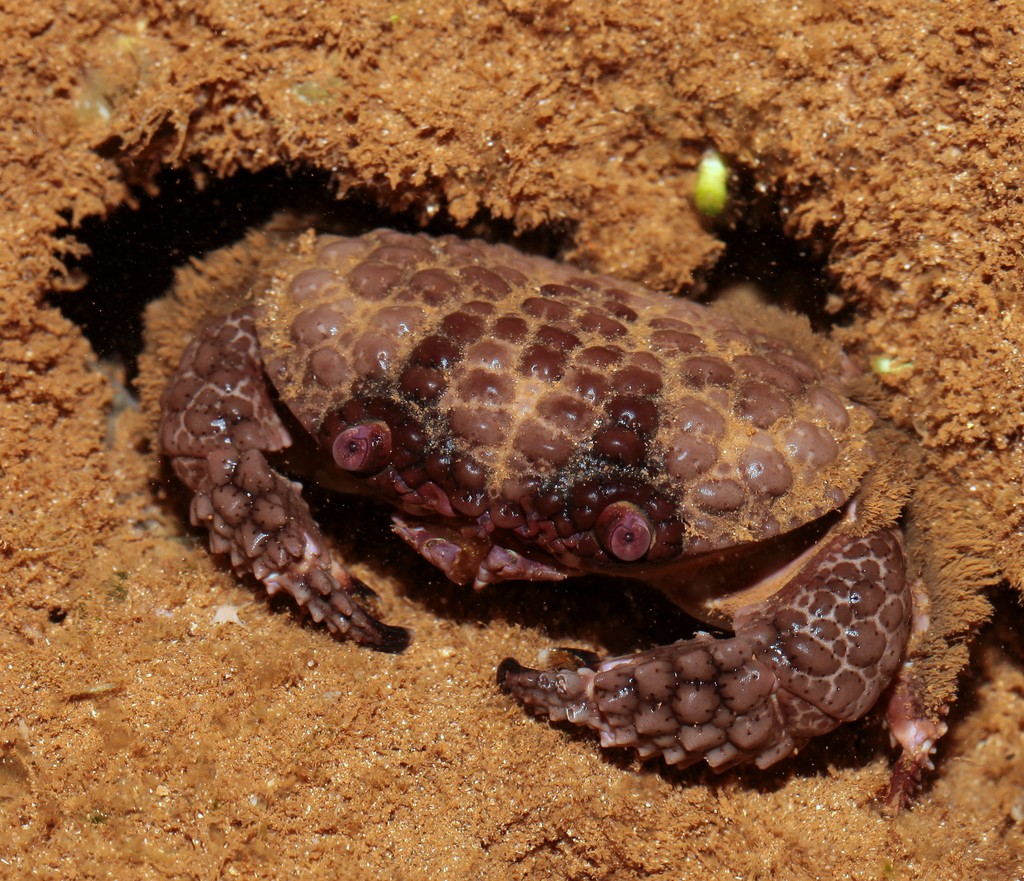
(624, 531)
(363, 447)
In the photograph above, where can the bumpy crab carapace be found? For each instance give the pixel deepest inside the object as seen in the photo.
(529, 420)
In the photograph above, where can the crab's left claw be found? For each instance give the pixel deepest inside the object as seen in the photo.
(803, 661)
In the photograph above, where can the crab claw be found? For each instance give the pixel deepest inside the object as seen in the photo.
(811, 656)
(694, 699)
(561, 695)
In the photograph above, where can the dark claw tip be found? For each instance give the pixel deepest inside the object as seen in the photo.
(360, 590)
(393, 640)
(508, 667)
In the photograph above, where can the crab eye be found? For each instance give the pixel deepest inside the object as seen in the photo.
(624, 531)
(363, 447)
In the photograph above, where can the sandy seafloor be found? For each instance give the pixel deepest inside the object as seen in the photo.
(159, 719)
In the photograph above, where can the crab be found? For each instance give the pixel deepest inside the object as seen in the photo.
(526, 419)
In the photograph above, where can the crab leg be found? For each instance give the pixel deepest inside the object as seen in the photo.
(218, 422)
(812, 656)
